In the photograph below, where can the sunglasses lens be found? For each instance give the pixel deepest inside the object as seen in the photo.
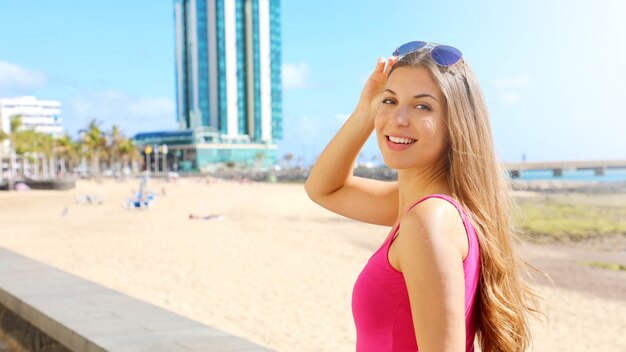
(409, 48)
(446, 55)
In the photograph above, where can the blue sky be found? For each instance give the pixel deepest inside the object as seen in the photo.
(552, 72)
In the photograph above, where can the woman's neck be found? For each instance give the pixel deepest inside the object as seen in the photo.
(415, 184)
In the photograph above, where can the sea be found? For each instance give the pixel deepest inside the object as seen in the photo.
(610, 175)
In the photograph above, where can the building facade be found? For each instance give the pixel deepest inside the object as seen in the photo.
(228, 78)
(41, 115)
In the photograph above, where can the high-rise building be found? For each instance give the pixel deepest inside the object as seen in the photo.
(228, 59)
(228, 81)
(228, 84)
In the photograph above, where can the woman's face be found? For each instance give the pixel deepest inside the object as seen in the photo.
(413, 109)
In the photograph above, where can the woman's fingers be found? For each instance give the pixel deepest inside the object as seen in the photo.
(384, 65)
(380, 65)
(390, 62)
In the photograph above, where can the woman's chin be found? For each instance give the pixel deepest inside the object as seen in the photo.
(395, 164)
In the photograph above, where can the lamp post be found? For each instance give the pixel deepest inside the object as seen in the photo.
(156, 159)
(164, 152)
(148, 150)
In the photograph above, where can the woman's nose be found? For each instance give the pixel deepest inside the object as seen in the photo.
(400, 117)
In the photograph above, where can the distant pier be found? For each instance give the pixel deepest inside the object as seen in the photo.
(599, 167)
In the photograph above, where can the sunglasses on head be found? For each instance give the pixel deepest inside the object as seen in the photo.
(443, 55)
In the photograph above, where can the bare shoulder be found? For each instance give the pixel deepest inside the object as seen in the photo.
(435, 226)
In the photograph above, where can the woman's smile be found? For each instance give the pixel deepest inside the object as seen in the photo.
(399, 143)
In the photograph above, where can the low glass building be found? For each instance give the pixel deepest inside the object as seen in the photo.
(203, 149)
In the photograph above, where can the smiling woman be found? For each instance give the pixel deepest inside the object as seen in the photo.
(447, 271)
(411, 117)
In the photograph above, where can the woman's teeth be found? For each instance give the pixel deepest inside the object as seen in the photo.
(399, 140)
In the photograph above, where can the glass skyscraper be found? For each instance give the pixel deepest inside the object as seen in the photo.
(228, 60)
(228, 87)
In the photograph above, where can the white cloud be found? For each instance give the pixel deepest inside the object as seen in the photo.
(132, 114)
(16, 80)
(513, 81)
(510, 98)
(296, 75)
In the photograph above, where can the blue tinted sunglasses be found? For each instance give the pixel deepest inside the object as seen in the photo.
(443, 55)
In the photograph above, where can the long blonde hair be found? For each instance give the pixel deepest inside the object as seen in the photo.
(480, 184)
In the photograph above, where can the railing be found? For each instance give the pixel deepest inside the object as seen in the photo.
(599, 166)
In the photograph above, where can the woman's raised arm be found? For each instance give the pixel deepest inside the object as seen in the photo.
(331, 183)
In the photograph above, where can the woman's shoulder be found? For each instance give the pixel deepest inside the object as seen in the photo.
(433, 210)
(435, 219)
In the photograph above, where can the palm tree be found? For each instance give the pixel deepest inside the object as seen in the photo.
(24, 143)
(45, 148)
(33, 147)
(16, 124)
(30, 146)
(3, 137)
(68, 152)
(128, 152)
(94, 141)
(115, 139)
(42, 150)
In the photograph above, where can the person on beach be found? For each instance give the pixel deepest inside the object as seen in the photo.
(447, 271)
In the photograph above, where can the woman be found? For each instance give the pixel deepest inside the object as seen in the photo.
(447, 271)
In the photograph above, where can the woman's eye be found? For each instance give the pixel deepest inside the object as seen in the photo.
(423, 107)
(388, 101)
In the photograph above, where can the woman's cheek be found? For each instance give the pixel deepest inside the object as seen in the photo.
(430, 126)
(379, 120)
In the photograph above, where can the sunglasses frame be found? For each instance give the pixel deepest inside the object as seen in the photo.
(430, 47)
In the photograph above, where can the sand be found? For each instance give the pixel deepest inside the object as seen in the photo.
(278, 270)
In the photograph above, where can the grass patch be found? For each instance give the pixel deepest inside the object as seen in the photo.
(605, 265)
(542, 219)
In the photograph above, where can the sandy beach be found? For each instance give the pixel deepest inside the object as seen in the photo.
(278, 269)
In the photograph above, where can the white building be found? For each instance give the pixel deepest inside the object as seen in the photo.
(41, 115)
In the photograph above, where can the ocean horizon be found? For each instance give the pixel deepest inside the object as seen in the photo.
(610, 175)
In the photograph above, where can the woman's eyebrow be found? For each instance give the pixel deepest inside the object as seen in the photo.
(415, 96)
(423, 95)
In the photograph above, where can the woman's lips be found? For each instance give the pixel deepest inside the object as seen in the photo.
(397, 146)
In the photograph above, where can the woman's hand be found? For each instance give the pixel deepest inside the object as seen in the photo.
(370, 96)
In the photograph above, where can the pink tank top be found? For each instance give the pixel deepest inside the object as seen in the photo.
(380, 301)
